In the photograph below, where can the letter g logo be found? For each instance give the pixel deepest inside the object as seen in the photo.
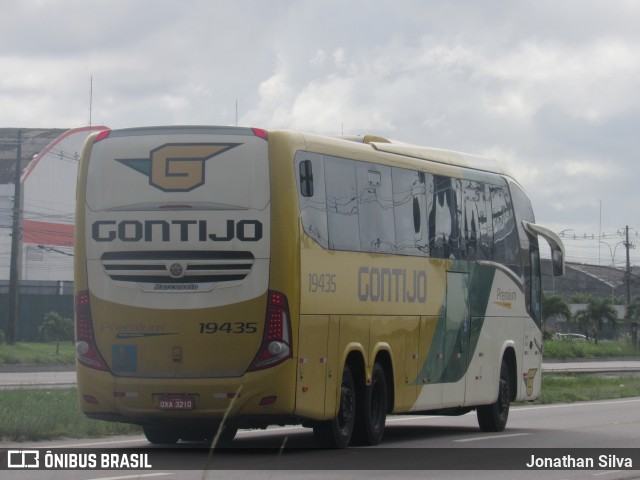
(177, 167)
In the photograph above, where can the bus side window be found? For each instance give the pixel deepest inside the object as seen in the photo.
(375, 207)
(313, 205)
(504, 228)
(342, 204)
(523, 211)
(485, 224)
(410, 211)
(306, 178)
(444, 219)
(536, 288)
(470, 221)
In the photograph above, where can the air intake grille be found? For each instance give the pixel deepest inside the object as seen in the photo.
(177, 266)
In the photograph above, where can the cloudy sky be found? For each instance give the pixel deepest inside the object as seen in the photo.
(548, 87)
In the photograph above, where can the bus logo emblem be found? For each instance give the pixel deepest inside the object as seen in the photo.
(176, 270)
(177, 167)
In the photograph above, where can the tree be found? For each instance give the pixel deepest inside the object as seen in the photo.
(554, 306)
(633, 310)
(580, 297)
(55, 327)
(598, 310)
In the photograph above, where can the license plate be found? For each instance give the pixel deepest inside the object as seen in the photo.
(177, 402)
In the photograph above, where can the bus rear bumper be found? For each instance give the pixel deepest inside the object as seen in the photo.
(255, 395)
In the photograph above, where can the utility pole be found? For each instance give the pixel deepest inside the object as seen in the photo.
(627, 273)
(12, 320)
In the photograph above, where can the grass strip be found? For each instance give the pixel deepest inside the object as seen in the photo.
(37, 353)
(565, 349)
(581, 387)
(32, 415)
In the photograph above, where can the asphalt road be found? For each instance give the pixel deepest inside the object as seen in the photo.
(410, 439)
(417, 440)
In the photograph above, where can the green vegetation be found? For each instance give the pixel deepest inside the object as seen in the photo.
(555, 306)
(56, 327)
(599, 319)
(592, 317)
(567, 349)
(31, 415)
(37, 353)
(569, 388)
(633, 309)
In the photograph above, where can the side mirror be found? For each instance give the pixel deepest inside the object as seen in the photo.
(554, 241)
(557, 260)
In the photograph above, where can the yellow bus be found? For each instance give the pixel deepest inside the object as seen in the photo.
(234, 278)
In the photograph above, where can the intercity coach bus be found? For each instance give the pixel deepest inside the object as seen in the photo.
(234, 278)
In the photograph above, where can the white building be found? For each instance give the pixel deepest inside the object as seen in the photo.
(49, 163)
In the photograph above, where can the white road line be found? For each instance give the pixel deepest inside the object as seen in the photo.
(491, 437)
(142, 475)
(576, 404)
(409, 418)
(95, 444)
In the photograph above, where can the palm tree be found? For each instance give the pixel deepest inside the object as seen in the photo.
(598, 310)
(554, 306)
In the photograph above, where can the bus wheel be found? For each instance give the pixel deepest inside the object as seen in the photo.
(371, 414)
(227, 434)
(160, 435)
(336, 433)
(493, 418)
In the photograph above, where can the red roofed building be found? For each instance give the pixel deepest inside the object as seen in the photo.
(49, 164)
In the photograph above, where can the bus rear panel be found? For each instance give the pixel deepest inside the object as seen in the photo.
(174, 318)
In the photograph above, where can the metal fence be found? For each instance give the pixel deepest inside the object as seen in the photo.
(35, 300)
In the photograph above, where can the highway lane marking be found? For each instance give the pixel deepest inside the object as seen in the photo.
(94, 444)
(576, 404)
(412, 417)
(143, 475)
(491, 437)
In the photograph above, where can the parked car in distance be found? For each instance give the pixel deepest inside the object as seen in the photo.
(570, 337)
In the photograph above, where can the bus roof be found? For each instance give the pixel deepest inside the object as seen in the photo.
(438, 155)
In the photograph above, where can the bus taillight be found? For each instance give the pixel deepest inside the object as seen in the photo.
(260, 133)
(102, 135)
(86, 350)
(276, 340)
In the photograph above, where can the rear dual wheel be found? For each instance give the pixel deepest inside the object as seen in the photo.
(161, 435)
(362, 413)
(336, 433)
(371, 411)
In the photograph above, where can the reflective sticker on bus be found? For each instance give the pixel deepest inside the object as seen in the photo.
(124, 358)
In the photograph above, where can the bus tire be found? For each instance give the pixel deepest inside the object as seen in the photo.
(227, 434)
(371, 413)
(493, 418)
(337, 432)
(161, 435)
